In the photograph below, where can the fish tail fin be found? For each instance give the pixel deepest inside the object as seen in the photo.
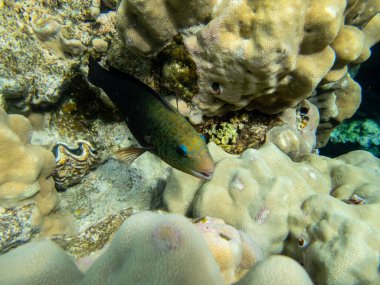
(95, 72)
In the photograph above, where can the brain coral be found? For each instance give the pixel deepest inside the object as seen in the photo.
(320, 211)
(25, 171)
(267, 55)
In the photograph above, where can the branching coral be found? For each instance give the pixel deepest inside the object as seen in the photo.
(319, 211)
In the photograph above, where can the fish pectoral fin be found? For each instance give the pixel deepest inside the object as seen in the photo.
(129, 154)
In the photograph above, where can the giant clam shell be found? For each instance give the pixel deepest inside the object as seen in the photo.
(72, 164)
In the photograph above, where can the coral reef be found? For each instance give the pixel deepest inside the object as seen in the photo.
(262, 55)
(40, 262)
(237, 131)
(298, 135)
(318, 211)
(148, 249)
(145, 26)
(233, 250)
(287, 59)
(29, 180)
(73, 163)
(41, 45)
(363, 134)
(16, 226)
(177, 255)
(338, 102)
(274, 270)
(94, 238)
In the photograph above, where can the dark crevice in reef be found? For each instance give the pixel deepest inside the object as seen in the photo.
(82, 101)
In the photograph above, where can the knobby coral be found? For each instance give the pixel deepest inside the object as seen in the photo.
(25, 171)
(149, 248)
(256, 54)
(319, 211)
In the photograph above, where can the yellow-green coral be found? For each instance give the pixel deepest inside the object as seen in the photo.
(237, 132)
(224, 135)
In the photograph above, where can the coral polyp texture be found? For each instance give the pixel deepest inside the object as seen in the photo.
(25, 174)
(322, 212)
(261, 55)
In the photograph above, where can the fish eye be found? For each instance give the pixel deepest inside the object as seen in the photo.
(203, 138)
(182, 150)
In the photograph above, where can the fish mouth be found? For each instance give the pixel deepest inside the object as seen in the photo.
(202, 174)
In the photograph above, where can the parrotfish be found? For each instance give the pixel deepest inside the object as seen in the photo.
(157, 126)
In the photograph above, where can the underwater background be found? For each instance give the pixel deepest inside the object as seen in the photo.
(189, 142)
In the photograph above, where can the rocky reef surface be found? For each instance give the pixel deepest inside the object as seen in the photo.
(265, 82)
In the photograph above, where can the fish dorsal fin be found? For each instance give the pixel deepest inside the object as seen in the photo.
(129, 154)
(129, 77)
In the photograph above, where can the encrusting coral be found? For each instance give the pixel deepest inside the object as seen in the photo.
(319, 211)
(25, 171)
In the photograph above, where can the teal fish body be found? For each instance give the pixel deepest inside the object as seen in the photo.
(156, 125)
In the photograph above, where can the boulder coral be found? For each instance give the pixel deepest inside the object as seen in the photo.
(25, 171)
(149, 248)
(319, 211)
(298, 135)
(275, 270)
(234, 251)
(256, 54)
